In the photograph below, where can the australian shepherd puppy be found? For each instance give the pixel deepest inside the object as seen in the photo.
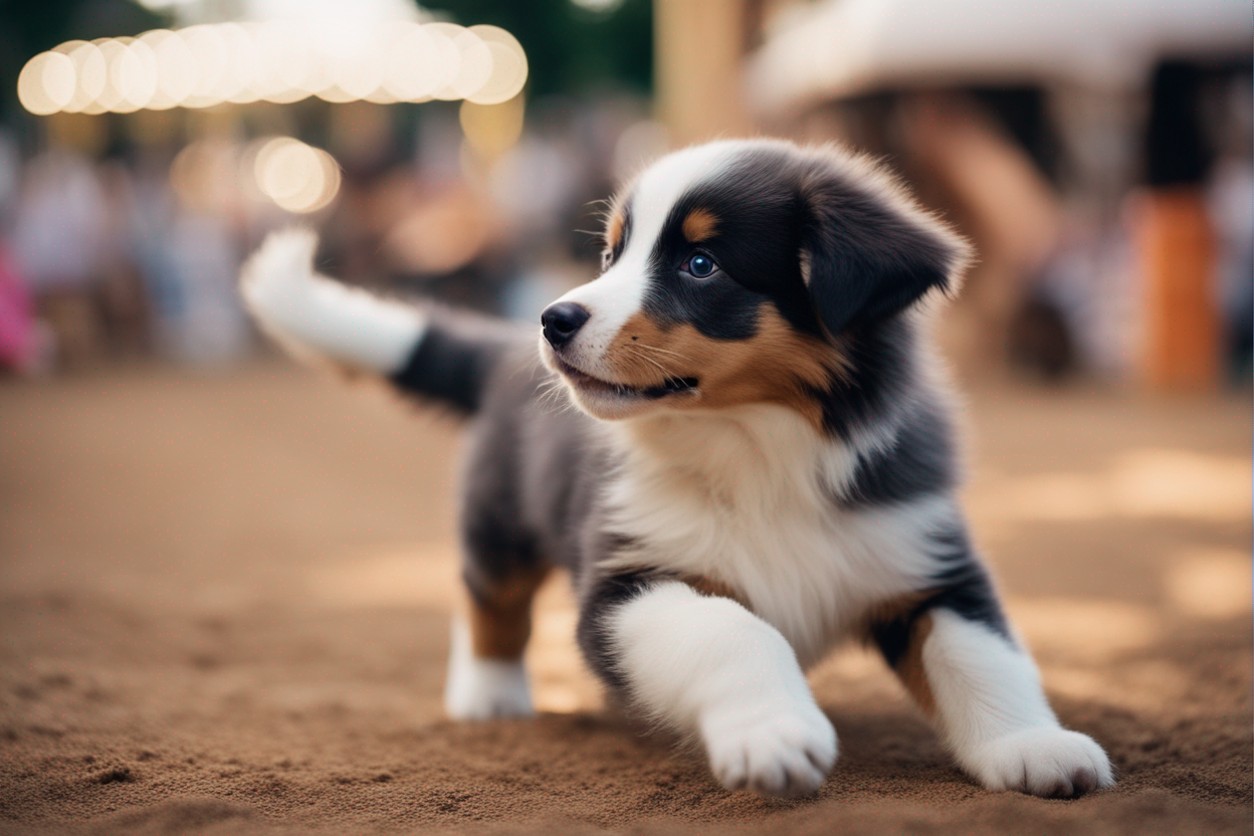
(761, 465)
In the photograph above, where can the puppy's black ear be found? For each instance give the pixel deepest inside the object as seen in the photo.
(868, 250)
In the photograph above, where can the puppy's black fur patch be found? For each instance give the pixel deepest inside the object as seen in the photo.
(453, 364)
(917, 462)
(869, 258)
(963, 586)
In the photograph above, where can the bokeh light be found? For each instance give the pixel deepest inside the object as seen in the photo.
(172, 69)
(46, 84)
(416, 63)
(110, 98)
(475, 64)
(203, 176)
(296, 176)
(276, 61)
(491, 130)
(509, 66)
(137, 74)
(604, 7)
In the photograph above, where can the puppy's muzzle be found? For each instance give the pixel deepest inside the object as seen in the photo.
(561, 321)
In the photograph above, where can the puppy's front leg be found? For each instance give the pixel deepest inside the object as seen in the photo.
(981, 688)
(994, 715)
(707, 666)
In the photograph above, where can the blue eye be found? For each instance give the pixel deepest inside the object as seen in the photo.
(700, 266)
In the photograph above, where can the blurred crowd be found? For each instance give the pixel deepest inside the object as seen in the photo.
(1058, 203)
(122, 238)
(121, 235)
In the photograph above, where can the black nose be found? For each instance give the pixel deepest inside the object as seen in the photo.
(562, 321)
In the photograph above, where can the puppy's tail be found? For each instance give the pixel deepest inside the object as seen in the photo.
(426, 351)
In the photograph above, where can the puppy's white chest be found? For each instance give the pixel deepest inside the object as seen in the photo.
(812, 578)
(767, 528)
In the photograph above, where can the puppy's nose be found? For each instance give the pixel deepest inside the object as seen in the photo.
(562, 321)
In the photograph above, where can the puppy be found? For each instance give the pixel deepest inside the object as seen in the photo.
(761, 465)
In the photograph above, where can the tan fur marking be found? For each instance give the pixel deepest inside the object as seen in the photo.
(716, 588)
(776, 365)
(910, 667)
(614, 229)
(699, 225)
(500, 621)
(895, 609)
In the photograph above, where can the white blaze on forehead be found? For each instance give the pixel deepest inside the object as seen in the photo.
(618, 295)
(664, 183)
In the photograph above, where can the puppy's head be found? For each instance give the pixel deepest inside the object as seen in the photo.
(735, 273)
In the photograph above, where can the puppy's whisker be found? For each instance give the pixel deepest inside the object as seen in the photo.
(665, 351)
(635, 360)
(654, 363)
(552, 396)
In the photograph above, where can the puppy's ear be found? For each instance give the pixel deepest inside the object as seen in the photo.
(868, 250)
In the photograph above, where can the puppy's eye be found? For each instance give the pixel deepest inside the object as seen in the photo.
(700, 266)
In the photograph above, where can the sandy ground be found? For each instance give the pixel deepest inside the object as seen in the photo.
(224, 605)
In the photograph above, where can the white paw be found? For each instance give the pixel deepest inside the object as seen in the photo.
(1049, 762)
(484, 689)
(785, 752)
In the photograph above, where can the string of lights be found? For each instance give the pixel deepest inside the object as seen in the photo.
(275, 61)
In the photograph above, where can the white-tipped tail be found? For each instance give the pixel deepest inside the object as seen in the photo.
(315, 317)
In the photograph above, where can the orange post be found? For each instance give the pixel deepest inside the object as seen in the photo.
(1182, 325)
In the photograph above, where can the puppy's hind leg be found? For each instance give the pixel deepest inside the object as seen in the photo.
(486, 675)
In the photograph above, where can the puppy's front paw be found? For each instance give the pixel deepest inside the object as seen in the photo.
(1048, 762)
(785, 752)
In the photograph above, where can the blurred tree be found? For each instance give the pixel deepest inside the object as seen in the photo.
(573, 48)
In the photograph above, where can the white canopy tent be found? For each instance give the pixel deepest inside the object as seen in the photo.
(838, 48)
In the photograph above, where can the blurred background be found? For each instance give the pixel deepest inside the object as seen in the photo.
(225, 582)
(1098, 152)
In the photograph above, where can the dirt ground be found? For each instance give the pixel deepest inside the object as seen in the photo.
(224, 603)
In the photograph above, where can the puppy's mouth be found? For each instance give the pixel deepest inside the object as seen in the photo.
(582, 380)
